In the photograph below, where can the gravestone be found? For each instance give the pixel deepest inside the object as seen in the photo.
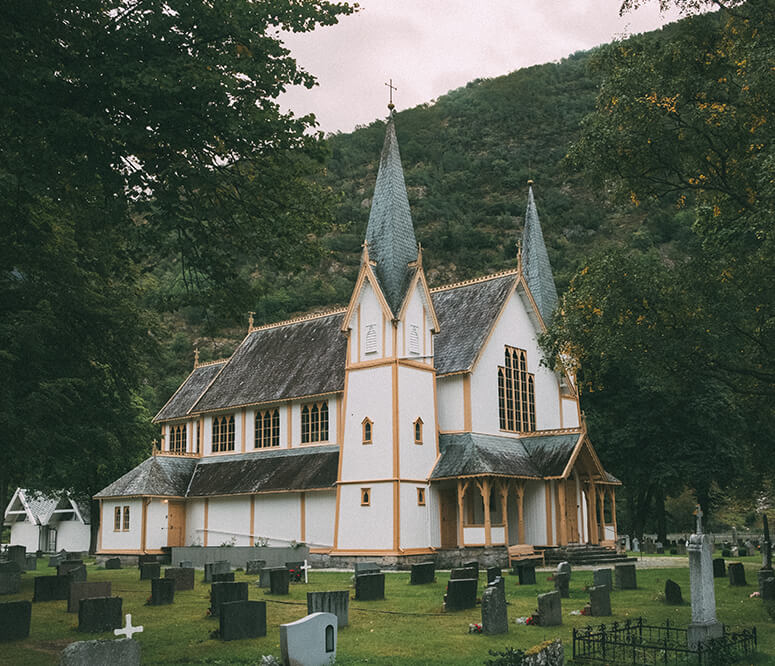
(463, 573)
(113, 563)
(10, 582)
(336, 602)
(549, 609)
(719, 568)
(51, 588)
(263, 576)
(704, 625)
(660, 548)
(82, 590)
(422, 573)
(221, 593)
(279, 579)
(680, 547)
(767, 589)
(493, 573)
(564, 567)
(242, 619)
(183, 577)
(370, 587)
(253, 567)
(472, 564)
(526, 573)
(600, 601)
(461, 594)
(121, 652)
(310, 641)
(603, 577)
(625, 576)
(99, 614)
(636, 545)
(219, 567)
(162, 591)
(17, 554)
(500, 584)
(67, 566)
(6, 566)
(736, 573)
(296, 571)
(31, 563)
(562, 584)
(150, 570)
(494, 615)
(146, 559)
(77, 574)
(55, 560)
(366, 567)
(223, 577)
(673, 593)
(186, 564)
(15, 619)
(766, 570)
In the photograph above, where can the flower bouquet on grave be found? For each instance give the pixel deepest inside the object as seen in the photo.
(533, 619)
(474, 628)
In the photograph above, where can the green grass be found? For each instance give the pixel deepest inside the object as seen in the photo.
(408, 627)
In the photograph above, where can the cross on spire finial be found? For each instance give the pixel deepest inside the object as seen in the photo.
(390, 85)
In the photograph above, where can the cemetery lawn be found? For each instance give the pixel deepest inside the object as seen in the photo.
(408, 627)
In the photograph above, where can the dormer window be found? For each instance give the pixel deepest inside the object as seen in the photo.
(418, 431)
(368, 426)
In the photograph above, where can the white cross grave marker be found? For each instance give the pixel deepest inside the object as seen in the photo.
(306, 567)
(128, 630)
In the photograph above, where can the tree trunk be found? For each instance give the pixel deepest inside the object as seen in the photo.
(659, 510)
(94, 526)
(3, 497)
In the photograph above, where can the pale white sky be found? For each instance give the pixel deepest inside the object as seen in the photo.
(429, 47)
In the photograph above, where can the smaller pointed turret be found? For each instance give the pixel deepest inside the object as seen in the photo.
(535, 261)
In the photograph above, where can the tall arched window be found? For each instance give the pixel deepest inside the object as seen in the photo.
(516, 393)
(367, 425)
(178, 437)
(223, 433)
(314, 422)
(418, 431)
(267, 429)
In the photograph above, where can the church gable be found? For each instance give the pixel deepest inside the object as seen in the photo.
(179, 405)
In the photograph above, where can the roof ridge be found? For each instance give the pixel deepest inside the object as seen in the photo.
(295, 320)
(483, 278)
(206, 363)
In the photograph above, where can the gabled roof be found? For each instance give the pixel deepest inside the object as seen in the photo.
(466, 313)
(269, 471)
(293, 360)
(165, 476)
(390, 233)
(535, 263)
(183, 400)
(40, 508)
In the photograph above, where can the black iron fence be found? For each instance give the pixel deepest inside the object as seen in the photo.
(635, 642)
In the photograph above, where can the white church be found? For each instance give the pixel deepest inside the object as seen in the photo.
(417, 419)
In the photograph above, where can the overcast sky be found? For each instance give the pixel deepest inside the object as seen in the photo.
(429, 47)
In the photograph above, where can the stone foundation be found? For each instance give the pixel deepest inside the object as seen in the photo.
(549, 653)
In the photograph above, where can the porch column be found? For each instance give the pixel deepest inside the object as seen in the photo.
(461, 492)
(613, 510)
(143, 523)
(593, 533)
(601, 492)
(485, 487)
(561, 488)
(503, 488)
(520, 487)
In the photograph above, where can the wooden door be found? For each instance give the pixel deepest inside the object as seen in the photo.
(176, 524)
(571, 511)
(448, 511)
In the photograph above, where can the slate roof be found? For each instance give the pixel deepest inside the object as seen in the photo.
(466, 314)
(472, 454)
(184, 398)
(158, 475)
(268, 471)
(390, 233)
(42, 506)
(302, 358)
(535, 263)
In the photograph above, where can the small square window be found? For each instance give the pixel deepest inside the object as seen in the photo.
(421, 496)
(365, 496)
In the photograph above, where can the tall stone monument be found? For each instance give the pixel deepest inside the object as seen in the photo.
(704, 624)
(766, 571)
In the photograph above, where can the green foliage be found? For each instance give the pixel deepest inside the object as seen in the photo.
(508, 657)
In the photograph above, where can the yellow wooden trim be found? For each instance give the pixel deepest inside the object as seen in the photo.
(143, 523)
(358, 319)
(419, 278)
(206, 518)
(549, 526)
(396, 460)
(365, 273)
(128, 551)
(393, 479)
(467, 419)
(561, 503)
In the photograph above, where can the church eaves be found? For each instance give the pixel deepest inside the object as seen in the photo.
(390, 233)
(535, 262)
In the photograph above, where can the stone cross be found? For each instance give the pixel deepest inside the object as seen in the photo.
(306, 567)
(128, 630)
(699, 514)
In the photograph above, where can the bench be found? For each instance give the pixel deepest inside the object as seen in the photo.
(524, 553)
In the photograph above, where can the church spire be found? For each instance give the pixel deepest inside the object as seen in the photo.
(390, 232)
(535, 261)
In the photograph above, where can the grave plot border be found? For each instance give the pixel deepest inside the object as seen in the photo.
(635, 642)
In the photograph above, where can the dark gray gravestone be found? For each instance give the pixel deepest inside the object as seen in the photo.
(77, 574)
(603, 577)
(500, 584)
(83, 590)
(549, 609)
(680, 547)
(51, 588)
(183, 577)
(17, 554)
(150, 570)
(186, 564)
(422, 573)
(242, 619)
(626, 578)
(222, 566)
(767, 589)
(466, 574)
(279, 578)
(366, 567)
(673, 593)
(461, 594)
(55, 560)
(761, 576)
(336, 602)
(162, 591)
(493, 573)
(494, 616)
(370, 587)
(121, 652)
(67, 566)
(15, 620)
(10, 582)
(223, 577)
(6, 566)
(472, 564)
(254, 567)
(31, 563)
(526, 573)
(719, 568)
(736, 574)
(599, 601)
(146, 559)
(263, 576)
(562, 584)
(100, 614)
(221, 593)
(113, 563)
(564, 567)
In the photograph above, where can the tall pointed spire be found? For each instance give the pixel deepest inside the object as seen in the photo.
(535, 261)
(390, 232)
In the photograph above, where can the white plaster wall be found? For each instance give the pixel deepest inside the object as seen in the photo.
(278, 518)
(25, 534)
(570, 413)
(451, 406)
(415, 399)
(415, 519)
(129, 540)
(156, 532)
(72, 535)
(434, 517)
(366, 527)
(228, 521)
(195, 520)
(207, 435)
(534, 513)
(473, 536)
(320, 510)
(498, 535)
(369, 311)
(515, 329)
(414, 315)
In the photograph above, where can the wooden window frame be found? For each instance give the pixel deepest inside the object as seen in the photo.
(266, 429)
(516, 393)
(315, 422)
(367, 426)
(125, 519)
(365, 496)
(178, 441)
(421, 497)
(418, 423)
(117, 519)
(223, 433)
